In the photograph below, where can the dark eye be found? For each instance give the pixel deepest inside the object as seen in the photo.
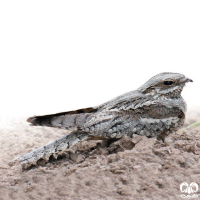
(168, 82)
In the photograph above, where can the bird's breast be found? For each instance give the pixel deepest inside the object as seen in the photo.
(168, 120)
(152, 127)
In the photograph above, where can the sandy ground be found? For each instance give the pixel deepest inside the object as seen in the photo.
(137, 168)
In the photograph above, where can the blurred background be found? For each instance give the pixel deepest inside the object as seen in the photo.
(46, 82)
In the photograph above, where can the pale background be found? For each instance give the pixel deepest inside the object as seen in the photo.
(45, 82)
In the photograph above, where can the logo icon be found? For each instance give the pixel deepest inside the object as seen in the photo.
(189, 190)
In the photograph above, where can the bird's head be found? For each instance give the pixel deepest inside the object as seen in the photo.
(165, 84)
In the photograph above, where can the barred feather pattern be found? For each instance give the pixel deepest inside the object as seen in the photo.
(155, 109)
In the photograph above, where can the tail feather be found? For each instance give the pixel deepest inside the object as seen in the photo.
(66, 120)
(54, 149)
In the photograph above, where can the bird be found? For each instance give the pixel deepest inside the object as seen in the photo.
(155, 109)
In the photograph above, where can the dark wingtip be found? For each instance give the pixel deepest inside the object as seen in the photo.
(29, 119)
(40, 120)
(32, 120)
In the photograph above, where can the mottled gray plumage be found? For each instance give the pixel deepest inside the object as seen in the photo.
(153, 110)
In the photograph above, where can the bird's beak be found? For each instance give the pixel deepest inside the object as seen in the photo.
(186, 80)
(189, 80)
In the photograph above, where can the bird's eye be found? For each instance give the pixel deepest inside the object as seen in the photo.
(168, 82)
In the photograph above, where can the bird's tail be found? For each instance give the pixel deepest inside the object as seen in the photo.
(54, 149)
(66, 120)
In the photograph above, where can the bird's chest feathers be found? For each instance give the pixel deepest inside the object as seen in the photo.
(168, 113)
(173, 103)
(161, 123)
(168, 101)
